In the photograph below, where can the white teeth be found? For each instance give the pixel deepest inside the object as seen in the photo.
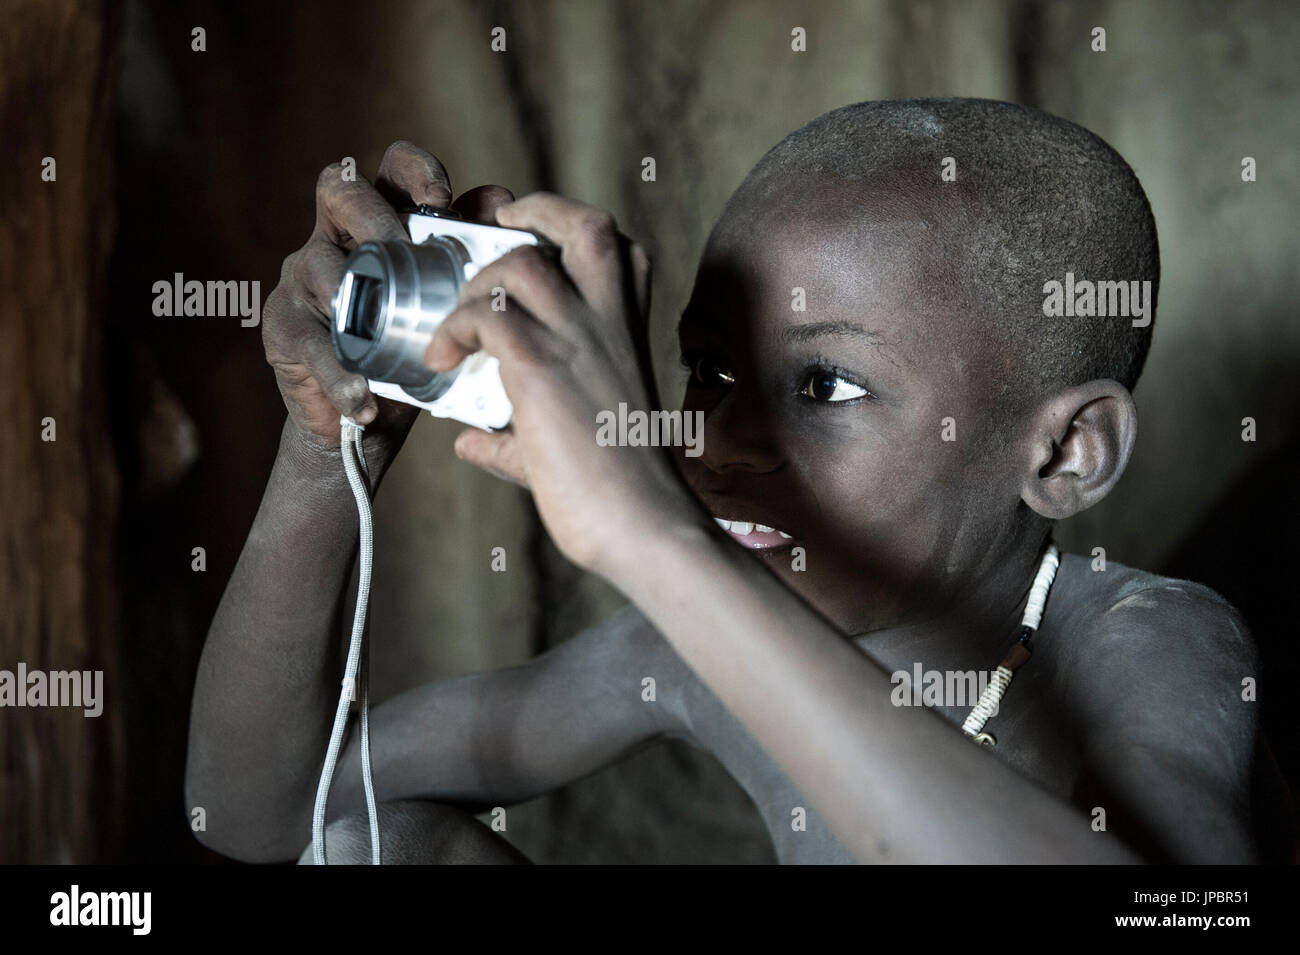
(743, 528)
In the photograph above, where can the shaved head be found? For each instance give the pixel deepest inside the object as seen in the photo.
(1035, 197)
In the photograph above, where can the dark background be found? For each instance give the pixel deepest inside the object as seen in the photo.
(204, 163)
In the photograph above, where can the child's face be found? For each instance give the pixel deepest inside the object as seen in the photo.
(829, 422)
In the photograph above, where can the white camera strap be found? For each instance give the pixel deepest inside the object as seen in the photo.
(357, 672)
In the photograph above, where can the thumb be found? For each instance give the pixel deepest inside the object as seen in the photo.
(494, 451)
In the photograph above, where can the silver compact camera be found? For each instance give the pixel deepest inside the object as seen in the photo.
(394, 295)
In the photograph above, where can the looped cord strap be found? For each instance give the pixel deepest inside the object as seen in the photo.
(357, 672)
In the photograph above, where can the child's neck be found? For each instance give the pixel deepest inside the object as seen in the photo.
(975, 627)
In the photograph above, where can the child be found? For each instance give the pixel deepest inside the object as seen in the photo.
(894, 417)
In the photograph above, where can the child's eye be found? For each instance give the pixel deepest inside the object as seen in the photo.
(707, 370)
(825, 385)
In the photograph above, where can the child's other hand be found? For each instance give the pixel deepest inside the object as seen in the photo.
(295, 329)
(571, 342)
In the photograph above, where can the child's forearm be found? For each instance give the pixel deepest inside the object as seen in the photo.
(267, 683)
(895, 784)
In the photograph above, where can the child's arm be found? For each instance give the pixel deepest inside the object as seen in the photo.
(268, 684)
(268, 680)
(505, 736)
(1168, 745)
(895, 784)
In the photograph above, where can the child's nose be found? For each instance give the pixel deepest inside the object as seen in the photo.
(739, 435)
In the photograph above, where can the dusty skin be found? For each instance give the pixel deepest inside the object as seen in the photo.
(917, 549)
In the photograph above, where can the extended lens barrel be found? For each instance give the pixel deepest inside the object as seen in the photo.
(392, 298)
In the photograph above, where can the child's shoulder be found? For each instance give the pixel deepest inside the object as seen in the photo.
(1156, 677)
(1169, 642)
(1108, 600)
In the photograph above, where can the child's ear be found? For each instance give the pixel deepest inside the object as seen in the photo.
(1077, 446)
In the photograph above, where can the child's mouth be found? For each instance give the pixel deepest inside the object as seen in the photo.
(755, 536)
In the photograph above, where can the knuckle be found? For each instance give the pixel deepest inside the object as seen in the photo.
(517, 350)
(298, 278)
(274, 304)
(529, 254)
(530, 266)
(317, 278)
(597, 233)
(278, 314)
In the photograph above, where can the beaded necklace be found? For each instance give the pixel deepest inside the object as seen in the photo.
(1019, 652)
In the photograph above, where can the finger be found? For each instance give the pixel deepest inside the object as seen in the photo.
(526, 277)
(591, 247)
(348, 392)
(349, 211)
(510, 336)
(301, 351)
(480, 203)
(494, 452)
(411, 176)
(317, 270)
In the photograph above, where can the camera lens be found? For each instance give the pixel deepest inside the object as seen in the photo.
(392, 298)
(363, 317)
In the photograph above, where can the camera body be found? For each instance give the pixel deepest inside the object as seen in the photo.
(391, 300)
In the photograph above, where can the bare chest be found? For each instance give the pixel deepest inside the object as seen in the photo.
(1032, 735)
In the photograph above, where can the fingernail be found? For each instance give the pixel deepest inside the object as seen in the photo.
(366, 415)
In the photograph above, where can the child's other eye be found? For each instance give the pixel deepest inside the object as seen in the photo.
(707, 370)
(825, 385)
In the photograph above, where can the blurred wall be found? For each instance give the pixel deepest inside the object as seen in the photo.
(218, 153)
(61, 782)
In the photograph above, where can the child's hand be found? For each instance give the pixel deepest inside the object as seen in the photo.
(295, 330)
(571, 344)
